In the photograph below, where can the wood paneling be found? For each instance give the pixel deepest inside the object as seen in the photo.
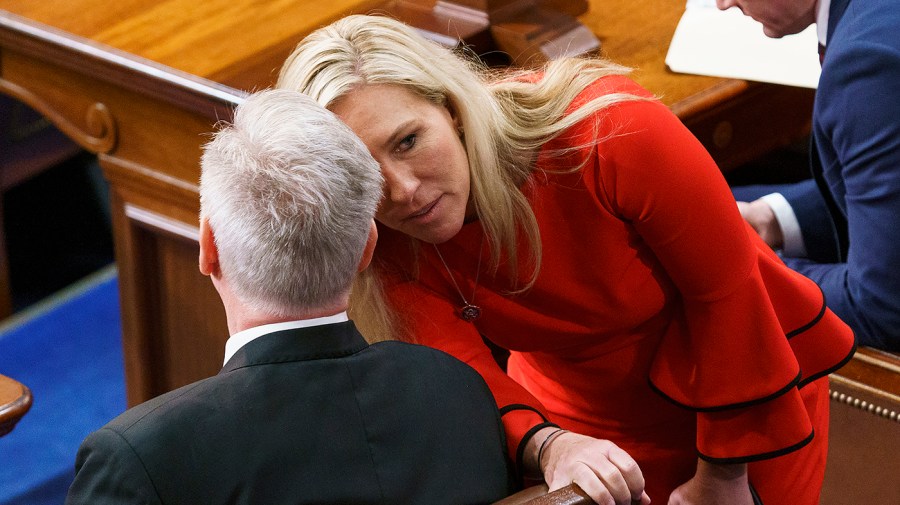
(864, 450)
(172, 314)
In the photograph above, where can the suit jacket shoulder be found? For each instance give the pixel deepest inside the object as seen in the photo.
(308, 416)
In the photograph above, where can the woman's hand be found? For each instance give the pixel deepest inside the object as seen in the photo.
(714, 484)
(604, 471)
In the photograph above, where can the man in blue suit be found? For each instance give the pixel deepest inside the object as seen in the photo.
(304, 410)
(842, 228)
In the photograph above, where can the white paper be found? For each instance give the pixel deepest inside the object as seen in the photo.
(727, 43)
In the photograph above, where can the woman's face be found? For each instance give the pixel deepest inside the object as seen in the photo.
(778, 17)
(422, 157)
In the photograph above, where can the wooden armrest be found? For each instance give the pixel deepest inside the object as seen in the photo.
(538, 495)
(15, 400)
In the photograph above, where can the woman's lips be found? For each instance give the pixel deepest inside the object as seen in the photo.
(423, 213)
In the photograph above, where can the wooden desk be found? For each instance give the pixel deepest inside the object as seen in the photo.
(142, 82)
(15, 401)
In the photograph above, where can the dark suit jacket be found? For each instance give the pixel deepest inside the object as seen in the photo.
(850, 212)
(312, 415)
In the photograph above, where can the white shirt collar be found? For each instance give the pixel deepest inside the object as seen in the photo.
(241, 338)
(822, 8)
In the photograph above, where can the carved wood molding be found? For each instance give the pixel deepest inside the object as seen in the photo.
(125, 71)
(125, 174)
(532, 33)
(101, 133)
(527, 31)
(161, 224)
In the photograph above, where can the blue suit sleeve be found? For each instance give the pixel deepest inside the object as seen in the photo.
(858, 130)
(816, 226)
(107, 471)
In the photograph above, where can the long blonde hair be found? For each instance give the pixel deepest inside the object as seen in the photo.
(505, 119)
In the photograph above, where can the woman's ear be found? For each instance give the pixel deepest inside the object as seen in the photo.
(457, 123)
(209, 253)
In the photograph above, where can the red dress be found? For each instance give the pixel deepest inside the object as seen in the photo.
(659, 320)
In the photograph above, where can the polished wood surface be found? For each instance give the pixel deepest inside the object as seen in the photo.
(539, 495)
(736, 120)
(141, 83)
(238, 43)
(15, 400)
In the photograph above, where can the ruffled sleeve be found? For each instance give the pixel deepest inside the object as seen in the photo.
(745, 332)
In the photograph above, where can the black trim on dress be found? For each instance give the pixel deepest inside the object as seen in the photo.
(819, 316)
(828, 370)
(719, 408)
(520, 450)
(521, 406)
(758, 457)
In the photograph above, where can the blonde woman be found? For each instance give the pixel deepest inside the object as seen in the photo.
(566, 215)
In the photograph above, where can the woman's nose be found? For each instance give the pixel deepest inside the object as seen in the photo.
(400, 184)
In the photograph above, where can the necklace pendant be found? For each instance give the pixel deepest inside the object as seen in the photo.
(470, 312)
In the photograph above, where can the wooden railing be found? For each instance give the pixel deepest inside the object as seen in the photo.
(538, 495)
(15, 400)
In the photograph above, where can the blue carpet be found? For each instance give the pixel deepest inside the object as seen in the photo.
(68, 350)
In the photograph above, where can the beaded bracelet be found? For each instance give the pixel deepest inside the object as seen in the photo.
(544, 444)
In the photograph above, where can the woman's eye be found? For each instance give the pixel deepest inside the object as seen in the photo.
(407, 142)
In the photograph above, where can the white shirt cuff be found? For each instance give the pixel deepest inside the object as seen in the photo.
(790, 228)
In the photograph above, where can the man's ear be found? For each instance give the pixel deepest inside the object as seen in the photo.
(370, 247)
(209, 254)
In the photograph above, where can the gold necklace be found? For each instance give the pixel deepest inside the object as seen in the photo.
(469, 311)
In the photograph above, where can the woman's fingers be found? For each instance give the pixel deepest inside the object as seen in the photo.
(615, 482)
(588, 481)
(604, 471)
(630, 472)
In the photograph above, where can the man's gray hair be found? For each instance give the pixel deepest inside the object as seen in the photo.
(289, 192)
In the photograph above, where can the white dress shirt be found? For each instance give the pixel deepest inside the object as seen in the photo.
(241, 338)
(822, 8)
